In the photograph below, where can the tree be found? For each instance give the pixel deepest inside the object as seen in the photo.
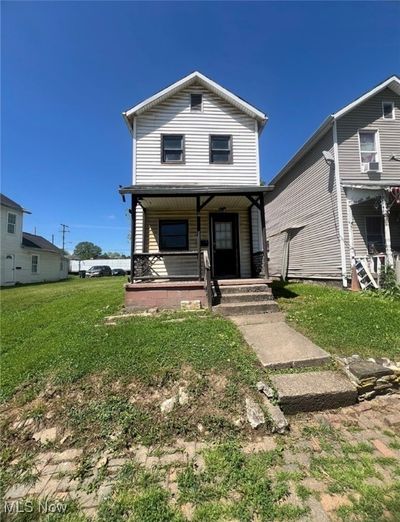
(87, 250)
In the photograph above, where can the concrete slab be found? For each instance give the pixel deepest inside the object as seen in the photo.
(313, 391)
(278, 346)
(273, 317)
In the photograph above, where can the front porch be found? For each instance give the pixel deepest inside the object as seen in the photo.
(186, 242)
(374, 227)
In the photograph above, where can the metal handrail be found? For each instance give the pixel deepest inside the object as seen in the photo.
(207, 278)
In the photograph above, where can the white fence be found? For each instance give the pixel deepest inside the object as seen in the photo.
(85, 264)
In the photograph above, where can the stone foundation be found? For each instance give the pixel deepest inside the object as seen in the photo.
(166, 295)
(372, 376)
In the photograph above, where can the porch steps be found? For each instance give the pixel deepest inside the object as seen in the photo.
(247, 297)
(313, 391)
(243, 297)
(247, 308)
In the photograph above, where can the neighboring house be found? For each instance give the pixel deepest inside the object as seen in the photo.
(336, 202)
(196, 198)
(26, 258)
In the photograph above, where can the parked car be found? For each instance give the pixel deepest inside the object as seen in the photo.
(99, 271)
(118, 272)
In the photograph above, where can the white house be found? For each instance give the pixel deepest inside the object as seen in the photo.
(197, 204)
(26, 258)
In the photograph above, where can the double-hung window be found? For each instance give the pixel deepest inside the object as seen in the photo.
(11, 223)
(369, 150)
(173, 234)
(220, 148)
(172, 148)
(35, 264)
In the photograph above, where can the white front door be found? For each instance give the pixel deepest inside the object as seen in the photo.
(9, 269)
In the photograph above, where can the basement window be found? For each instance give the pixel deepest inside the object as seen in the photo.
(173, 235)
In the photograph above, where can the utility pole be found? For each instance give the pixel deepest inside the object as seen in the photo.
(63, 232)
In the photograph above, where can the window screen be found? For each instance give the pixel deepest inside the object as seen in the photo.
(172, 149)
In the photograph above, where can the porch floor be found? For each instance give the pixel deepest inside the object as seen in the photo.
(165, 283)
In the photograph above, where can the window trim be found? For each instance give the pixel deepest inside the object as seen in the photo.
(37, 263)
(175, 162)
(377, 149)
(14, 224)
(173, 222)
(366, 227)
(201, 104)
(393, 111)
(230, 159)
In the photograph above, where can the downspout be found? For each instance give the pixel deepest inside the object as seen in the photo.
(339, 205)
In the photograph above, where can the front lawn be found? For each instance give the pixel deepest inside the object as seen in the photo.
(344, 323)
(57, 331)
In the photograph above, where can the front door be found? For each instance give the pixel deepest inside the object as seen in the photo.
(224, 245)
(9, 269)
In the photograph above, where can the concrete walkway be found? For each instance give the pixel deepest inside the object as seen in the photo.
(277, 345)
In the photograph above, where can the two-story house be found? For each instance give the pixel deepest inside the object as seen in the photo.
(336, 203)
(26, 258)
(197, 205)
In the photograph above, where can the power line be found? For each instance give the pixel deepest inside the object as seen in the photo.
(63, 232)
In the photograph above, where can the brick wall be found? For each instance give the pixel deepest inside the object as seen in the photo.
(140, 296)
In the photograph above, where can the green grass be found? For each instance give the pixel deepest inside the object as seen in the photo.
(342, 322)
(57, 331)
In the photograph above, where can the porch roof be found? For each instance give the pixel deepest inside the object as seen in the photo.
(194, 190)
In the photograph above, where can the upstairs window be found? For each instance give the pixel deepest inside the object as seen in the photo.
(220, 149)
(369, 151)
(196, 102)
(11, 223)
(173, 235)
(172, 148)
(388, 110)
(35, 264)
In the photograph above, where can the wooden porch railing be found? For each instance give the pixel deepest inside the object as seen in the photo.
(376, 262)
(207, 278)
(145, 265)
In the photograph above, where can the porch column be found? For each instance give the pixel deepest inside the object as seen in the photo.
(251, 239)
(264, 235)
(133, 235)
(198, 226)
(386, 224)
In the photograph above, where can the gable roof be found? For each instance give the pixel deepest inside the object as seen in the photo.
(393, 82)
(7, 202)
(196, 77)
(33, 241)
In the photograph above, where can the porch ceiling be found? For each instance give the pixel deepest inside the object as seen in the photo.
(189, 203)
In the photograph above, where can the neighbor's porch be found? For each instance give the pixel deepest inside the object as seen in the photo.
(183, 238)
(374, 227)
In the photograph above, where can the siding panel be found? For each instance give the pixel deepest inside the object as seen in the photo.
(174, 117)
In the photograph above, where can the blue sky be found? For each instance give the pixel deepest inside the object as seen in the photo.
(70, 68)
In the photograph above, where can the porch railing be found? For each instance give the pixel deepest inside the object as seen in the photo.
(207, 278)
(146, 266)
(376, 262)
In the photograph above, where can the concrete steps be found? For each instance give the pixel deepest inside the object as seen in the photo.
(240, 289)
(246, 297)
(246, 308)
(313, 391)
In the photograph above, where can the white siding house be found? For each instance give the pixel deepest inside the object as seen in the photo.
(26, 258)
(195, 192)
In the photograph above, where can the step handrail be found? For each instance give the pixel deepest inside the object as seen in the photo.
(207, 278)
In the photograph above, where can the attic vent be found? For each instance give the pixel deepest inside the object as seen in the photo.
(196, 101)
